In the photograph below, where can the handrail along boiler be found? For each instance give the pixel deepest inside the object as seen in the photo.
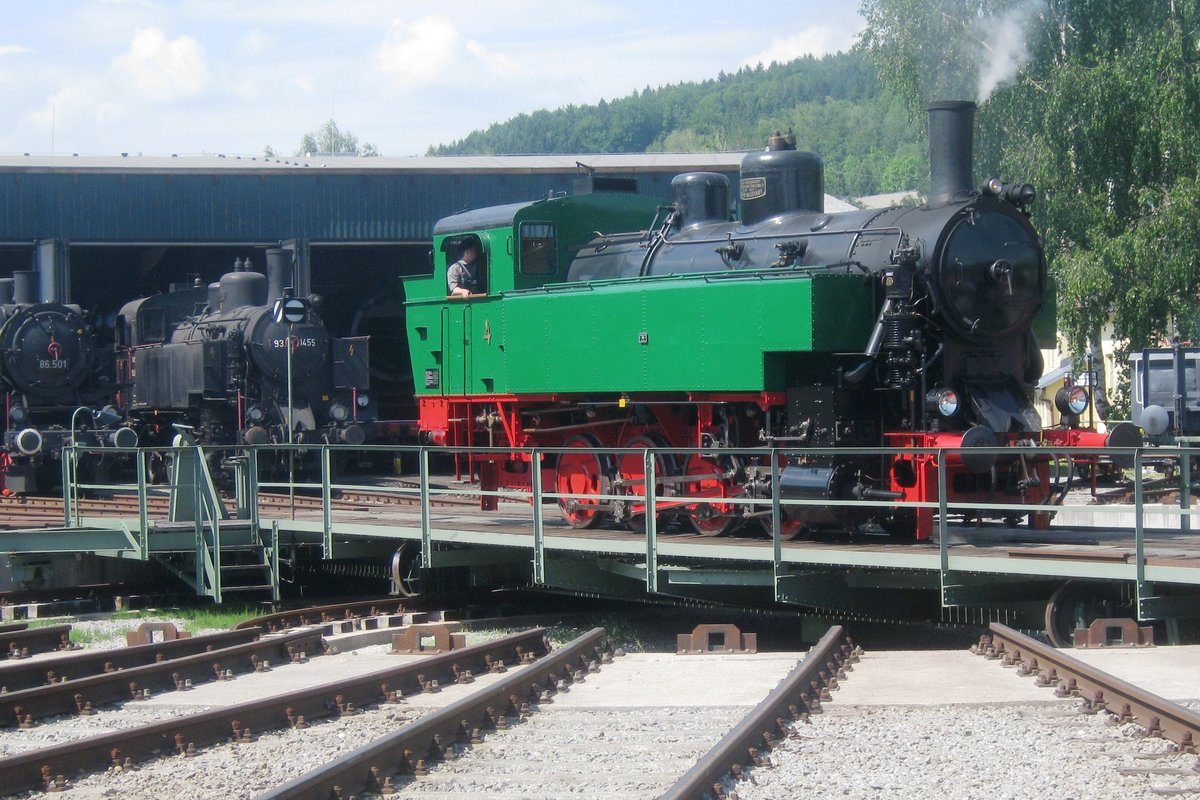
(613, 322)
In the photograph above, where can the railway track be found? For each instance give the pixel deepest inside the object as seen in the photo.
(55, 767)
(27, 674)
(38, 511)
(439, 736)
(923, 723)
(408, 739)
(898, 729)
(634, 750)
(322, 615)
(1099, 690)
(83, 695)
(22, 641)
(750, 743)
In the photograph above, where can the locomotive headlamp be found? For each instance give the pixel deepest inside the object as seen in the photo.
(363, 400)
(943, 401)
(256, 414)
(18, 414)
(338, 412)
(1073, 400)
(29, 441)
(1019, 194)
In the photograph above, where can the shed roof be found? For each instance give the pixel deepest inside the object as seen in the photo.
(625, 162)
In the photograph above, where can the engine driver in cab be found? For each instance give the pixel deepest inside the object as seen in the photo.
(464, 277)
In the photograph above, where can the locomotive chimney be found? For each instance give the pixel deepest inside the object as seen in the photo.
(951, 138)
(6, 291)
(25, 287)
(279, 268)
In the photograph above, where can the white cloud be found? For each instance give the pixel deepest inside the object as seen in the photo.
(419, 52)
(268, 70)
(164, 69)
(816, 41)
(498, 65)
(323, 15)
(257, 43)
(303, 84)
(143, 4)
(432, 49)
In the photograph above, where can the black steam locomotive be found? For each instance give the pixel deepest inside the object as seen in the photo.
(54, 383)
(227, 359)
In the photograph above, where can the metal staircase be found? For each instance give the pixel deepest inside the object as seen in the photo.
(233, 555)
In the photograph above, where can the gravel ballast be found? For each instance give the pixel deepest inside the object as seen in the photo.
(1045, 751)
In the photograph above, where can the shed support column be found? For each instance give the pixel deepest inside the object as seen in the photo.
(301, 266)
(52, 262)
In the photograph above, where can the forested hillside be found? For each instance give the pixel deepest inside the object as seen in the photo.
(833, 104)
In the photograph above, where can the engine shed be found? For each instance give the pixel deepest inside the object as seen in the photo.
(101, 230)
(168, 218)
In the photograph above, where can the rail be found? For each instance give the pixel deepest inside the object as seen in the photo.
(797, 695)
(34, 769)
(1098, 689)
(429, 737)
(72, 696)
(322, 615)
(24, 641)
(29, 674)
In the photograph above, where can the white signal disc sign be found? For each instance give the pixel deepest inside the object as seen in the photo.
(291, 311)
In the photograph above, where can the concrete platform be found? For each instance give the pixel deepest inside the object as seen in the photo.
(948, 677)
(660, 680)
(1170, 672)
(933, 678)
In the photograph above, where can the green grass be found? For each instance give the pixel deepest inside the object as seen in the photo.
(209, 617)
(192, 619)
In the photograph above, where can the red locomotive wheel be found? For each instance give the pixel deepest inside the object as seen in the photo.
(632, 469)
(581, 475)
(710, 517)
(789, 529)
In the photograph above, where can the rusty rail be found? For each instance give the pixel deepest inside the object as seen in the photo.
(25, 642)
(35, 769)
(78, 696)
(1099, 689)
(47, 511)
(15, 675)
(798, 695)
(370, 767)
(325, 615)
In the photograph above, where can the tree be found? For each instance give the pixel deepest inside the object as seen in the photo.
(1102, 119)
(329, 139)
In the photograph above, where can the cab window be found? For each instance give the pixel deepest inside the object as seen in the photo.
(539, 253)
(152, 326)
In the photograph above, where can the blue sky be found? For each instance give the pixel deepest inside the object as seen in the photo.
(233, 76)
